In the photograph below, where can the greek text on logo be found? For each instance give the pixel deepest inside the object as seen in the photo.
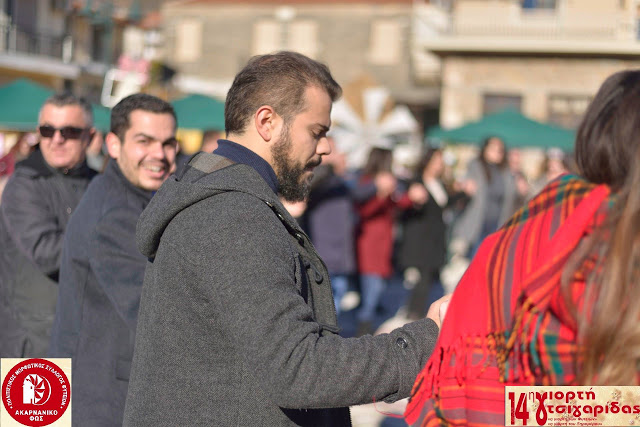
(36, 392)
(572, 405)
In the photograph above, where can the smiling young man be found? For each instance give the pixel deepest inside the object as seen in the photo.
(102, 272)
(237, 324)
(37, 203)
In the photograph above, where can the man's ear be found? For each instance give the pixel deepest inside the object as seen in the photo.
(90, 134)
(114, 145)
(267, 122)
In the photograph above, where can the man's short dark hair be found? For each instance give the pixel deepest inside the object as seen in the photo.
(65, 99)
(278, 80)
(121, 113)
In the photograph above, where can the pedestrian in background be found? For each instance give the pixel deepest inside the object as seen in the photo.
(102, 271)
(375, 232)
(330, 221)
(37, 203)
(422, 250)
(492, 192)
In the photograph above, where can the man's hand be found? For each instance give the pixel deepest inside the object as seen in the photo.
(438, 309)
(470, 187)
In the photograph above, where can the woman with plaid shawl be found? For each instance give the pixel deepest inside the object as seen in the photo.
(549, 298)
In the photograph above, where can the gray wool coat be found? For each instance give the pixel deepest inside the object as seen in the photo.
(36, 206)
(236, 324)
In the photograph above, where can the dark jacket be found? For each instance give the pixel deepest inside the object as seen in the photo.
(99, 294)
(423, 243)
(237, 324)
(330, 220)
(36, 206)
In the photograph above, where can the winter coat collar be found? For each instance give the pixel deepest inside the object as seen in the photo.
(241, 154)
(193, 185)
(35, 166)
(114, 170)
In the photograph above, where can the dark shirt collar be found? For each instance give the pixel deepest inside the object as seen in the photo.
(114, 169)
(241, 154)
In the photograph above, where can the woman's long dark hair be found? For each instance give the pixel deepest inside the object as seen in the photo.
(483, 160)
(608, 152)
(379, 161)
(424, 162)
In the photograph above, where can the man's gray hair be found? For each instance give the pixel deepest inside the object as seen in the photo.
(64, 99)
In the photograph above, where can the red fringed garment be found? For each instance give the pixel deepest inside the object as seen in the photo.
(507, 323)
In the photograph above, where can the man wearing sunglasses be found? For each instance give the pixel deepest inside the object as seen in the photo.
(36, 205)
(102, 271)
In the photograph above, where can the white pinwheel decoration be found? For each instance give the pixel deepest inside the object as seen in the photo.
(366, 117)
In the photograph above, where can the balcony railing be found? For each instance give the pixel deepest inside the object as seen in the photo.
(580, 27)
(15, 40)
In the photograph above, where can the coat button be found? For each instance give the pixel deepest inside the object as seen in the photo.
(69, 210)
(402, 343)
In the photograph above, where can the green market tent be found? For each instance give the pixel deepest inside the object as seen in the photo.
(199, 112)
(101, 118)
(20, 103)
(514, 128)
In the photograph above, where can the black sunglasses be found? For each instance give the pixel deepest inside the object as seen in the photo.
(67, 132)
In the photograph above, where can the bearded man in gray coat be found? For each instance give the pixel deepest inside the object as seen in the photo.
(237, 324)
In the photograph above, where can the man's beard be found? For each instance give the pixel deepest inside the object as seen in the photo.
(292, 186)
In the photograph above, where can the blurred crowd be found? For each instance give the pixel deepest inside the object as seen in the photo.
(420, 225)
(372, 225)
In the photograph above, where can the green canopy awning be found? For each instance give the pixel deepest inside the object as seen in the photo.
(20, 103)
(199, 112)
(515, 129)
(101, 117)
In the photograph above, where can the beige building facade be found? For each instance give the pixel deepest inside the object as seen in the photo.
(545, 58)
(209, 41)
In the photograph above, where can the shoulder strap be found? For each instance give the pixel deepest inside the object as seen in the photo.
(205, 163)
(315, 290)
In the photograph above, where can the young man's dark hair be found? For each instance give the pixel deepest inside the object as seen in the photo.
(64, 99)
(278, 80)
(120, 114)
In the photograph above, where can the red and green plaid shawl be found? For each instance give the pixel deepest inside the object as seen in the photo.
(507, 323)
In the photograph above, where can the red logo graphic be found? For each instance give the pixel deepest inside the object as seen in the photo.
(36, 392)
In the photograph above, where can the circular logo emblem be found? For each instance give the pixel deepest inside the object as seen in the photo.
(36, 392)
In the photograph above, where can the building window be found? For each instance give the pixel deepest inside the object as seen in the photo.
(267, 37)
(58, 5)
(539, 4)
(567, 110)
(385, 43)
(492, 102)
(188, 46)
(98, 50)
(302, 36)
